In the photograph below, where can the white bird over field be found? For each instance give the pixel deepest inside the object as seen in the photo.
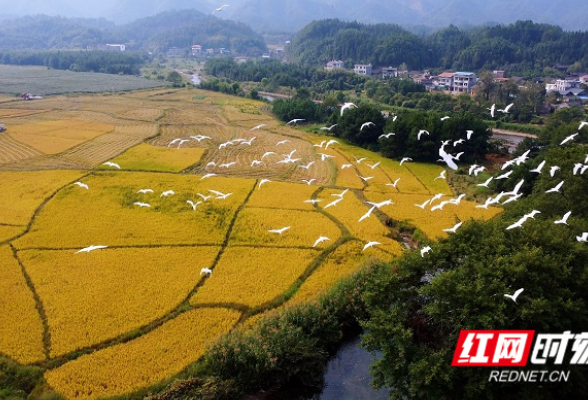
(472, 168)
(492, 109)
(82, 185)
(366, 125)
(347, 106)
(220, 8)
(454, 228)
(204, 198)
(208, 176)
(307, 166)
(267, 153)
(539, 167)
(282, 142)
(257, 127)
(182, 142)
(405, 159)
(320, 146)
(485, 184)
(206, 271)
(386, 135)
(514, 296)
(359, 160)
(577, 168)
(255, 163)
(556, 188)
(312, 201)
(445, 118)
(583, 238)
(176, 140)
(370, 244)
(373, 166)
(478, 170)
(223, 196)
(111, 164)
(261, 182)
(325, 156)
(167, 193)
(333, 203)
(248, 142)
(380, 204)
(210, 164)
(469, 134)
(506, 109)
(448, 158)
(145, 191)
(320, 240)
(367, 214)
(346, 166)
(582, 124)
(192, 204)
(564, 219)
(295, 121)
(90, 248)
(424, 204)
(138, 203)
(340, 195)
(328, 128)
(200, 138)
(569, 138)
(225, 144)
(421, 133)
(279, 231)
(394, 183)
(505, 175)
(441, 175)
(366, 178)
(227, 165)
(330, 142)
(425, 250)
(308, 181)
(513, 198)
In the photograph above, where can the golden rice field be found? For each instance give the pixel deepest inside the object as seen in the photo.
(23, 192)
(253, 225)
(144, 361)
(106, 212)
(255, 275)
(21, 329)
(145, 157)
(111, 321)
(96, 296)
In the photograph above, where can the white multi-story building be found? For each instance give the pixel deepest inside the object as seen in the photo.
(463, 82)
(363, 69)
(562, 85)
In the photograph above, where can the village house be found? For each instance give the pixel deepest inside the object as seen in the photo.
(334, 64)
(196, 49)
(363, 69)
(389, 72)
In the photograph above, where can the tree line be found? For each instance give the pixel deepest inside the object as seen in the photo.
(524, 47)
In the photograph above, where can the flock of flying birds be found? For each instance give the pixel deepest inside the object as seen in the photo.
(445, 157)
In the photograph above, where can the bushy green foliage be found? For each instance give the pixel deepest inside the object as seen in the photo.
(419, 304)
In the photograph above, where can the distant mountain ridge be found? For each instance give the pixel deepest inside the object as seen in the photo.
(293, 15)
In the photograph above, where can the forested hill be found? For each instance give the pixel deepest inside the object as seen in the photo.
(525, 44)
(158, 33)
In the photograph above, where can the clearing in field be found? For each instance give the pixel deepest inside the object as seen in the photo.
(17, 112)
(13, 151)
(253, 276)
(21, 329)
(106, 212)
(146, 157)
(53, 137)
(144, 361)
(96, 296)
